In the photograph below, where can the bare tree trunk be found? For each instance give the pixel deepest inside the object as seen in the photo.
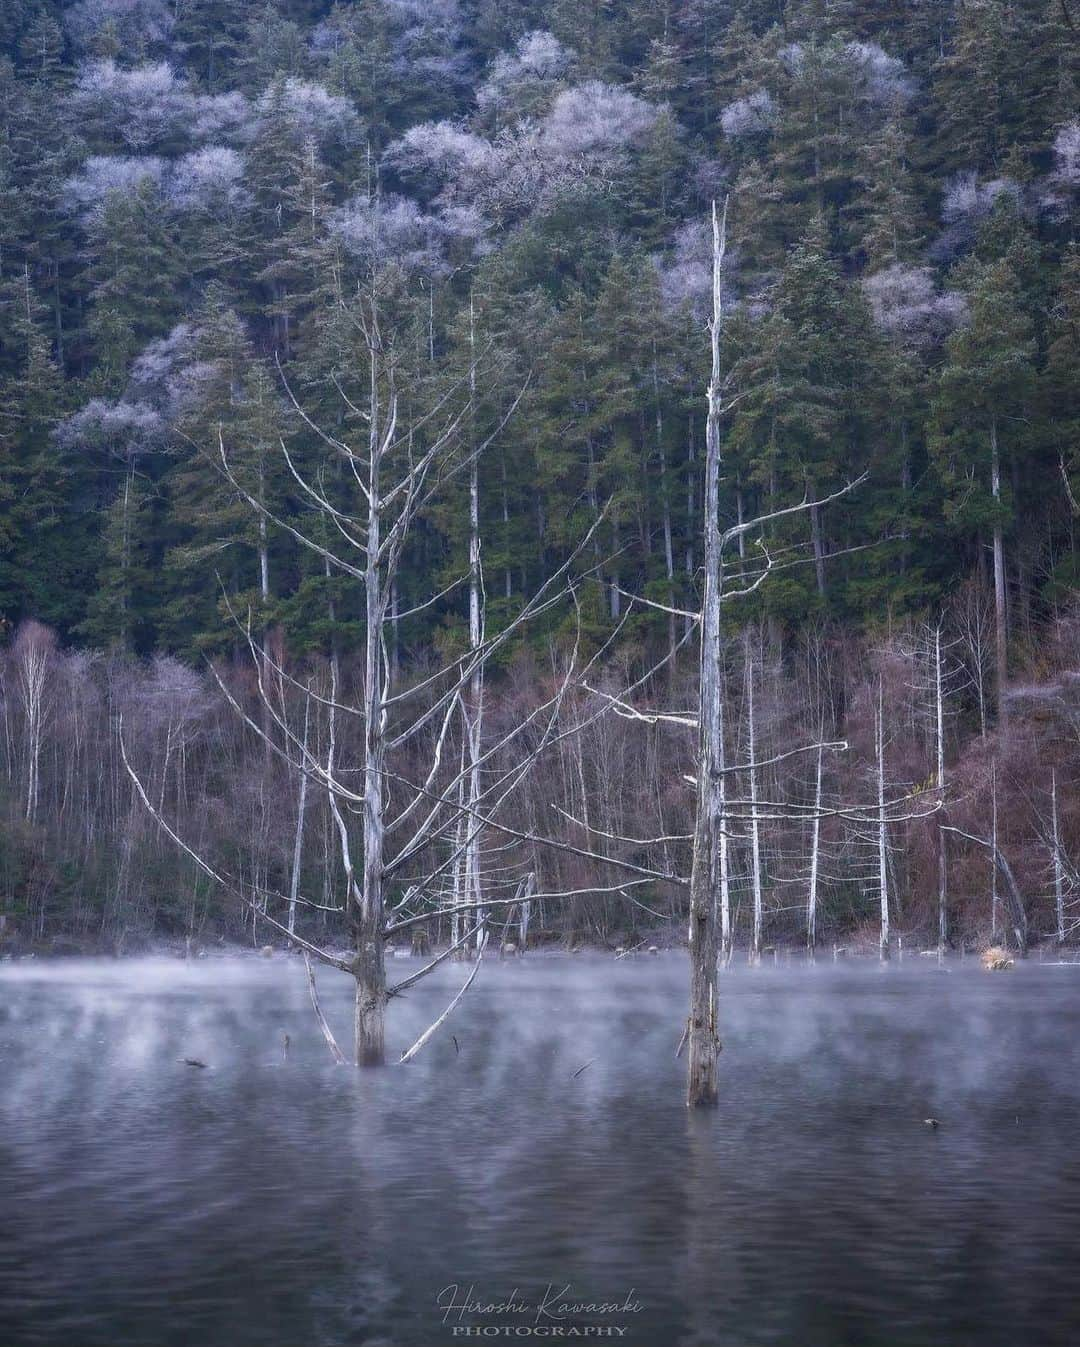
(939, 735)
(508, 580)
(690, 476)
(1059, 868)
(665, 505)
(1000, 609)
(819, 549)
(298, 840)
(370, 965)
(883, 841)
(702, 1084)
(725, 854)
(815, 839)
(476, 685)
(995, 899)
(755, 825)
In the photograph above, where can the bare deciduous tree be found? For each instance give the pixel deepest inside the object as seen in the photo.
(414, 829)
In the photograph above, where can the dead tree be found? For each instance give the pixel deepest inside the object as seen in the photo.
(752, 786)
(704, 1043)
(815, 854)
(414, 828)
(1013, 898)
(995, 900)
(1001, 634)
(1062, 872)
(1056, 860)
(882, 824)
(714, 809)
(937, 676)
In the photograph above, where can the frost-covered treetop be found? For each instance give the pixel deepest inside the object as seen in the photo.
(209, 178)
(587, 134)
(314, 111)
(516, 79)
(907, 304)
(106, 175)
(121, 428)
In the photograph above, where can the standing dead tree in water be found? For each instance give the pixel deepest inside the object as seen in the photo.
(716, 810)
(416, 825)
(719, 813)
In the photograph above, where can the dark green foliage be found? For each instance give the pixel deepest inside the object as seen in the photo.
(881, 161)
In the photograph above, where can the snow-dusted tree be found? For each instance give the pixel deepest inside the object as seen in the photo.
(145, 106)
(209, 180)
(1066, 171)
(907, 304)
(522, 83)
(753, 115)
(966, 202)
(103, 176)
(313, 112)
(585, 139)
(131, 24)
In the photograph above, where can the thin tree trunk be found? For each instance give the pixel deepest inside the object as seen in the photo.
(939, 734)
(995, 899)
(725, 854)
(370, 965)
(298, 839)
(1059, 868)
(690, 476)
(702, 1084)
(815, 839)
(883, 841)
(1000, 608)
(476, 684)
(665, 504)
(819, 549)
(755, 826)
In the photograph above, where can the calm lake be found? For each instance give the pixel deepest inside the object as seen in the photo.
(292, 1203)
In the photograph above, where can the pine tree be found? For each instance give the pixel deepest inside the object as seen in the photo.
(799, 425)
(1059, 397)
(214, 539)
(970, 87)
(887, 208)
(130, 282)
(979, 430)
(47, 566)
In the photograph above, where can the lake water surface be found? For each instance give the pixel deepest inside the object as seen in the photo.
(292, 1203)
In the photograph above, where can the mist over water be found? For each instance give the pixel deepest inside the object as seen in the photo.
(272, 1201)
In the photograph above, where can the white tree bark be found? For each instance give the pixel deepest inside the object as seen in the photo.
(815, 841)
(883, 840)
(755, 824)
(939, 740)
(995, 898)
(1000, 603)
(702, 1083)
(1059, 867)
(370, 959)
(475, 713)
(298, 839)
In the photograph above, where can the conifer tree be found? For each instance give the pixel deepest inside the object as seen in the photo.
(979, 431)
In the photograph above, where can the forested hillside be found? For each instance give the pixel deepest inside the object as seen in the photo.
(201, 199)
